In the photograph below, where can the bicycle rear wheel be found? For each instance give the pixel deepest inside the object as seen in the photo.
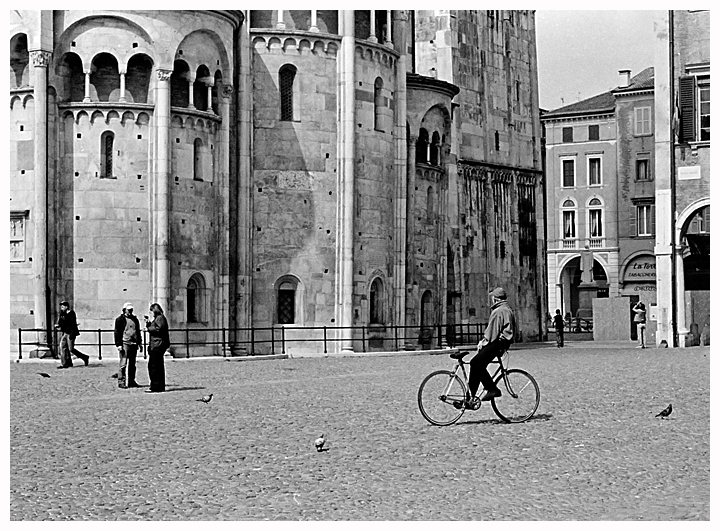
(441, 398)
(520, 396)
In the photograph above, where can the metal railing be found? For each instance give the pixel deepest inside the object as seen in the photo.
(278, 339)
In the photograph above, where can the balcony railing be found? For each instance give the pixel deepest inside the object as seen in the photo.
(596, 243)
(569, 243)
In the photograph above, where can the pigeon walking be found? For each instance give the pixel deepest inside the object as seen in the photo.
(44, 374)
(665, 412)
(206, 399)
(320, 442)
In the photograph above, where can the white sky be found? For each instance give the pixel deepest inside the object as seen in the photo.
(580, 52)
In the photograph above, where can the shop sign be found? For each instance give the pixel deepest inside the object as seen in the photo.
(641, 269)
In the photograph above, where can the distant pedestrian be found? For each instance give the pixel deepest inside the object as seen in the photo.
(640, 317)
(128, 340)
(67, 324)
(559, 324)
(158, 343)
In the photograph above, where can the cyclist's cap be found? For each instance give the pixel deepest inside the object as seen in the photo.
(498, 293)
(127, 306)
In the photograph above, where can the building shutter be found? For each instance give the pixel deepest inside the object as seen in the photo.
(687, 109)
(633, 222)
(652, 220)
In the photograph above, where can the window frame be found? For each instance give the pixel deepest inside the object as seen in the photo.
(286, 91)
(702, 85)
(563, 160)
(589, 159)
(593, 127)
(570, 211)
(376, 302)
(19, 239)
(647, 220)
(105, 171)
(643, 125)
(198, 314)
(565, 136)
(648, 173)
(595, 206)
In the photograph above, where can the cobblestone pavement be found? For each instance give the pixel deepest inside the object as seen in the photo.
(83, 449)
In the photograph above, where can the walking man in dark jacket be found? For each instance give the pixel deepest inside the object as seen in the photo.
(67, 324)
(498, 337)
(128, 340)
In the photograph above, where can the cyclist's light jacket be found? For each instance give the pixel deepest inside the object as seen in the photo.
(501, 324)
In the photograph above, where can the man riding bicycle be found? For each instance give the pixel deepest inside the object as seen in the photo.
(497, 338)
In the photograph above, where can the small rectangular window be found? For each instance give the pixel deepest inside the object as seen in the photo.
(17, 237)
(568, 173)
(645, 221)
(643, 122)
(594, 171)
(567, 134)
(593, 132)
(642, 170)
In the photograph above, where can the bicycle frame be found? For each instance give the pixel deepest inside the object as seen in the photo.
(500, 370)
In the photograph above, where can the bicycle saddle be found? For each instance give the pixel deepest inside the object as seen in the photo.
(460, 354)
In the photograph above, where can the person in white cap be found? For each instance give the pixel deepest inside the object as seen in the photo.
(128, 339)
(498, 337)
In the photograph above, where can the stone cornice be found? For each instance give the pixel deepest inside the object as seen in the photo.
(418, 82)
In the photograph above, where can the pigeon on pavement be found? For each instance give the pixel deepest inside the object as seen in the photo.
(206, 399)
(320, 442)
(665, 412)
(44, 374)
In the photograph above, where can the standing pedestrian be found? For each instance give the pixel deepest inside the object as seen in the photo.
(640, 316)
(67, 324)
(158, 343)
(128, 340)
(559, 324)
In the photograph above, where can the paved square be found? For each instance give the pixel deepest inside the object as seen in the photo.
(83, 449)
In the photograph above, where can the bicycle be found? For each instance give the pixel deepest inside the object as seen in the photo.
(442, 394)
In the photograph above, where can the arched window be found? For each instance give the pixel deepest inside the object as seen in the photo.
(19, 60)
(107, 140)
(200, 88)
(595, 219)
(287, 81)
(196, 299)
(568, 226)
(105, 78)
(179, 84)
(378, 100)
(421, 146)
(430, 202)
(376, 302)
(137, 78)
(286, 302)
(197, 160)
(435, 149)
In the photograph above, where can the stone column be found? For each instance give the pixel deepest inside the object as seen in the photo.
(162, 189)
(191, 91)
(280, 23)
(401, 169)
(222, 157)
(388, 29)
(664, 210)
(122, 87)
(682, 328)
(313, 21)
(346, 177)
(86, 99)
(209, 98)
(372, 37)
(40, 61)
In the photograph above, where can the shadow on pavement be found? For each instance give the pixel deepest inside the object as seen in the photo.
(536, 418)
(169, 389)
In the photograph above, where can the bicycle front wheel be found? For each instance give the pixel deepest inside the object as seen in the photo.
(441, 398)
(520, 396)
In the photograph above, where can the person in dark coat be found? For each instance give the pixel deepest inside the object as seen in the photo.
(67, 324)
(158, 343)
(128, 341)
(559, 324)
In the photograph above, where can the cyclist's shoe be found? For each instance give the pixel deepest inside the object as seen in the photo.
(472, 403)
(489, 394)
(458, 404)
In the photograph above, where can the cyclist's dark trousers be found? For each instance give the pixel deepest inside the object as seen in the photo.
(478, 365)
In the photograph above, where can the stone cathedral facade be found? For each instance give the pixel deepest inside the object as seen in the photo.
(277, 170)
